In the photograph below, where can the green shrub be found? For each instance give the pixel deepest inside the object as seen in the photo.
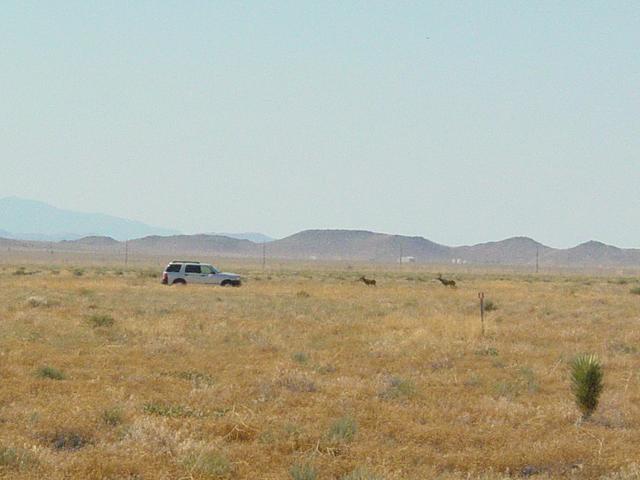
(361, 474)
(209, 463)
(300, 357)
(50, 372)
(303, 472)
(635, 290)
(16, 458)
(24, 271)
(198, 379)
(473, 381)
(506, 389)
(325, 368)
(624, 348)
(69, 440)
(527, 378)
(398, 387)
(343, 430)
(101, 320)
(296, 383)
(487, 352)
(519, 382)
(489, 306)
(168, 410)
(586, 383)
(112, 416)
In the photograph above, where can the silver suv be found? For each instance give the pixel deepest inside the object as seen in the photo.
(181, 272)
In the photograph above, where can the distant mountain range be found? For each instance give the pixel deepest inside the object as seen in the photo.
(52, 228)
(378, 247)
(33, 220)
(357, 245)
(351, 245)
(22, 219)
(255, 237)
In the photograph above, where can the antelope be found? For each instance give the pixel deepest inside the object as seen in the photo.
(367, 281)
(447, 283)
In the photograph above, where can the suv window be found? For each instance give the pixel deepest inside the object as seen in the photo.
(174, 267)
(192, 269)
(206, 269)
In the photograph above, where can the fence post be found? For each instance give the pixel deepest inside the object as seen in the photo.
(481, 297)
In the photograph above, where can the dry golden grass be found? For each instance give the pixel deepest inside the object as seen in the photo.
(107, 374)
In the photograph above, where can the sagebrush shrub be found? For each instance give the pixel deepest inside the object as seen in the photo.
(586, 382)
(112, 416)
(361, 474)
(487, 352)
(16, 458)
(209, 463)
(296, 383)
(101, 320)
(170, 410)
(303, 472)
(198, 379)
(398, 388)
(343, 430)
(300, 357)
(50, 372)
(69, 440)
(490, 306)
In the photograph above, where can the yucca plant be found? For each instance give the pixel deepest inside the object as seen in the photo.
(586, 382)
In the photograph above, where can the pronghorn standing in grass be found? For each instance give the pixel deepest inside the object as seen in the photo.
(367, 281)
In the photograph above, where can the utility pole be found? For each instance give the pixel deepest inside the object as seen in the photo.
(537, 259)
(126, 252)
(264, 255)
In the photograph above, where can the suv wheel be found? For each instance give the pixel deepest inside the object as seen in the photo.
(226, 283)
(179, 281)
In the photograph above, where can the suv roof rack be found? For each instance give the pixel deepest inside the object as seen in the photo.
(184, 261)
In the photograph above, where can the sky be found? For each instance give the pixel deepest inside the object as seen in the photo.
(462, 122)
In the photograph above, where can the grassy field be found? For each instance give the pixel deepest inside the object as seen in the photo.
(307, 374)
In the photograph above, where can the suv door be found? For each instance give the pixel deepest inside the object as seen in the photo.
(193, 274)
(209, 274)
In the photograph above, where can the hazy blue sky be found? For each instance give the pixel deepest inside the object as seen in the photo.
(458, 121)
